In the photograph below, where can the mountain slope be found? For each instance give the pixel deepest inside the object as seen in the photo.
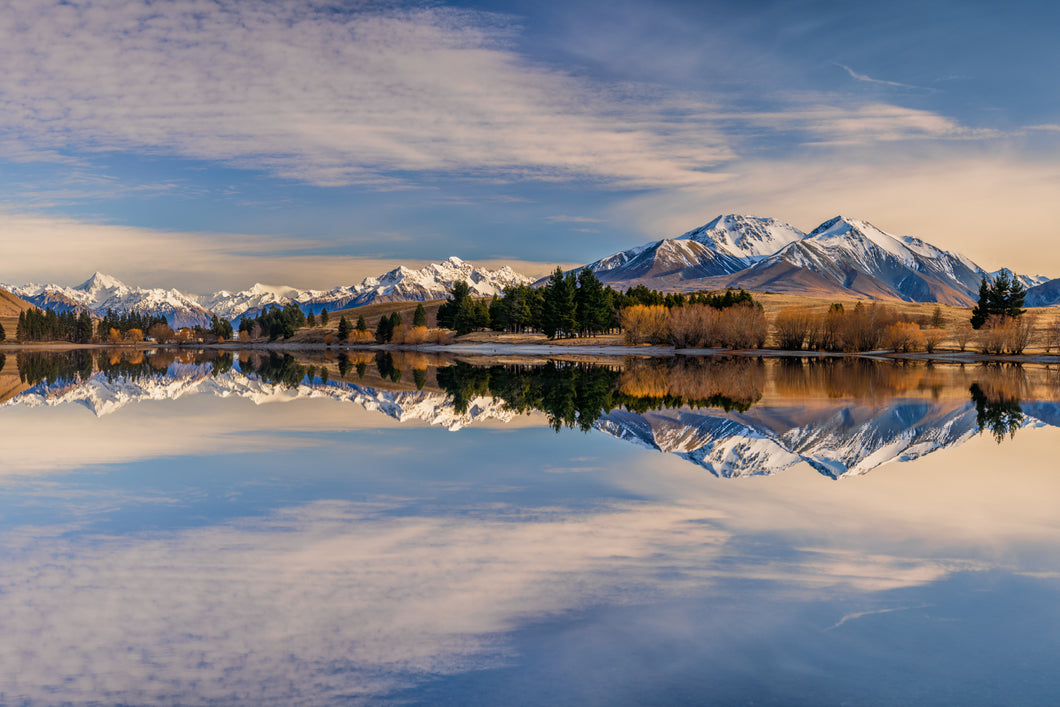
(102, 292)
(11, 305)
(748, 237)
(724, 246)
(1043, 295)
(860, 258)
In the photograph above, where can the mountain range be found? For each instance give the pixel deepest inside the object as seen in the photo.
(843, 258)
(102, 292)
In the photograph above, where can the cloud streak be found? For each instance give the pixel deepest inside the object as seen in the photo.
(330, 97)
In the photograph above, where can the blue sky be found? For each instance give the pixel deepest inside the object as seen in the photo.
(204, 144)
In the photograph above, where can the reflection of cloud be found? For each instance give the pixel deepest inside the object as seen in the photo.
(321, 602)
(337, 599)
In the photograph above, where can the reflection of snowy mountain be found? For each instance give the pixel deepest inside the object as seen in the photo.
(845, 439)
(105, 396)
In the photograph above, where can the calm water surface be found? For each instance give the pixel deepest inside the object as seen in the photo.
(259, 529)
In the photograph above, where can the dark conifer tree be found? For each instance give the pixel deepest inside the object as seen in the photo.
(361, 324)
(344, 328)
(324, 317)
(420, 317)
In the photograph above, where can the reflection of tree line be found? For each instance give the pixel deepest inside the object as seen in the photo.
(64, 367)
(578, 394)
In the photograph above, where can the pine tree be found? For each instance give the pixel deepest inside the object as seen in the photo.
(311, 320)
(361, 324)
(420, 317)
(3, 334)
(324, 317)
(344, 328)
(1002, 297)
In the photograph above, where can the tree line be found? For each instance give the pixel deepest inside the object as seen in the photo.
(48, 325)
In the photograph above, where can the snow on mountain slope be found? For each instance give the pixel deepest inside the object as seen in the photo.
(857, 256)
(726, 245)
(749, 237)
(665, 264)
(399, 285)
(1043, 295)
(847, 439)
(104, 395)
(102, 292)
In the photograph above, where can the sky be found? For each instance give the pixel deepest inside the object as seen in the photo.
(206, 144)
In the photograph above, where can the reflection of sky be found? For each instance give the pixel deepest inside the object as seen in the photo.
(312, 553)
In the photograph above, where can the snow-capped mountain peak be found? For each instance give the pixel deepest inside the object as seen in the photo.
(99, 283)
(742, 236)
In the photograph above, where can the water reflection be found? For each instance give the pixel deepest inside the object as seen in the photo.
(731, 416)
(303, 533)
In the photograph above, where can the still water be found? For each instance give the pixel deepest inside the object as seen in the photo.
(255, 528)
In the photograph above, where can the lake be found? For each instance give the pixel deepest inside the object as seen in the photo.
(403, 528)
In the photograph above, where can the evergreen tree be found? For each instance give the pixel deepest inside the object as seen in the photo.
(324, 317)
(1003, 296)
(591, 304)
(558, 315)
(3, 334)
(311, 320)
(460, 295)
(344, 328)
(384, 330)
(361, 324)
(420, 317)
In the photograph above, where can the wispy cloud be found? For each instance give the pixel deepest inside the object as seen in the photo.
(330, 97)
(868, 79)
(574, 219)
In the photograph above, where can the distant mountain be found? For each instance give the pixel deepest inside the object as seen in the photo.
(843, 257)
(1043, 295)
(861, 259)
(102, 292)
(750, 238)
(726, 245)
(1028, 281)
(399, 285)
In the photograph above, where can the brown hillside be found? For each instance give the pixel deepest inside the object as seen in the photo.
(10, 307)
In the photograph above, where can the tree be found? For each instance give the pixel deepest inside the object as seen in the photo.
(311, 320)
(558, 316)
(362, 325)
(420, 317)
(344, 328)
(1001, 297)
(3, 334)
(324, 317)
(460, 296)
(384, 331)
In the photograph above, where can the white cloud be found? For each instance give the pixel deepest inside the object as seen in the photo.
(997, 210)
(868, 79)
(330, 97)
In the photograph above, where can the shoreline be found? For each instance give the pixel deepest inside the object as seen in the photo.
(545, 349)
